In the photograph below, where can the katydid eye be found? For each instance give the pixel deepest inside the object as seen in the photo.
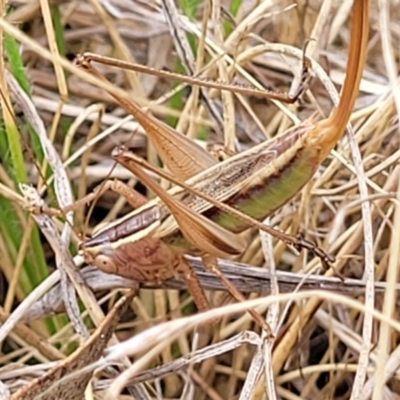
(106, 264)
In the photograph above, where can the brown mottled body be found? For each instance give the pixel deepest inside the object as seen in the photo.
(256, 183)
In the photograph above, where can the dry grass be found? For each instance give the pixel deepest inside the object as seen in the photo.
(326, 345)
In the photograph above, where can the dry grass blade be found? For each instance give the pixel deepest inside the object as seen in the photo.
(246, 278)
(51, 385)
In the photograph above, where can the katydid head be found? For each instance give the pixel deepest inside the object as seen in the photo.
(128, 248)
(98, 253)
(99, 258)
(147, 260)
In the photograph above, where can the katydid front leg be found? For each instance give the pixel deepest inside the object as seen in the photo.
(134, 198)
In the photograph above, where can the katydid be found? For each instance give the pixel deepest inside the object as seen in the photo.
(213, 201)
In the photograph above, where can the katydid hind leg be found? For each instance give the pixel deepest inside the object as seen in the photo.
(182, 155)
(133, 163)
(248, 90)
